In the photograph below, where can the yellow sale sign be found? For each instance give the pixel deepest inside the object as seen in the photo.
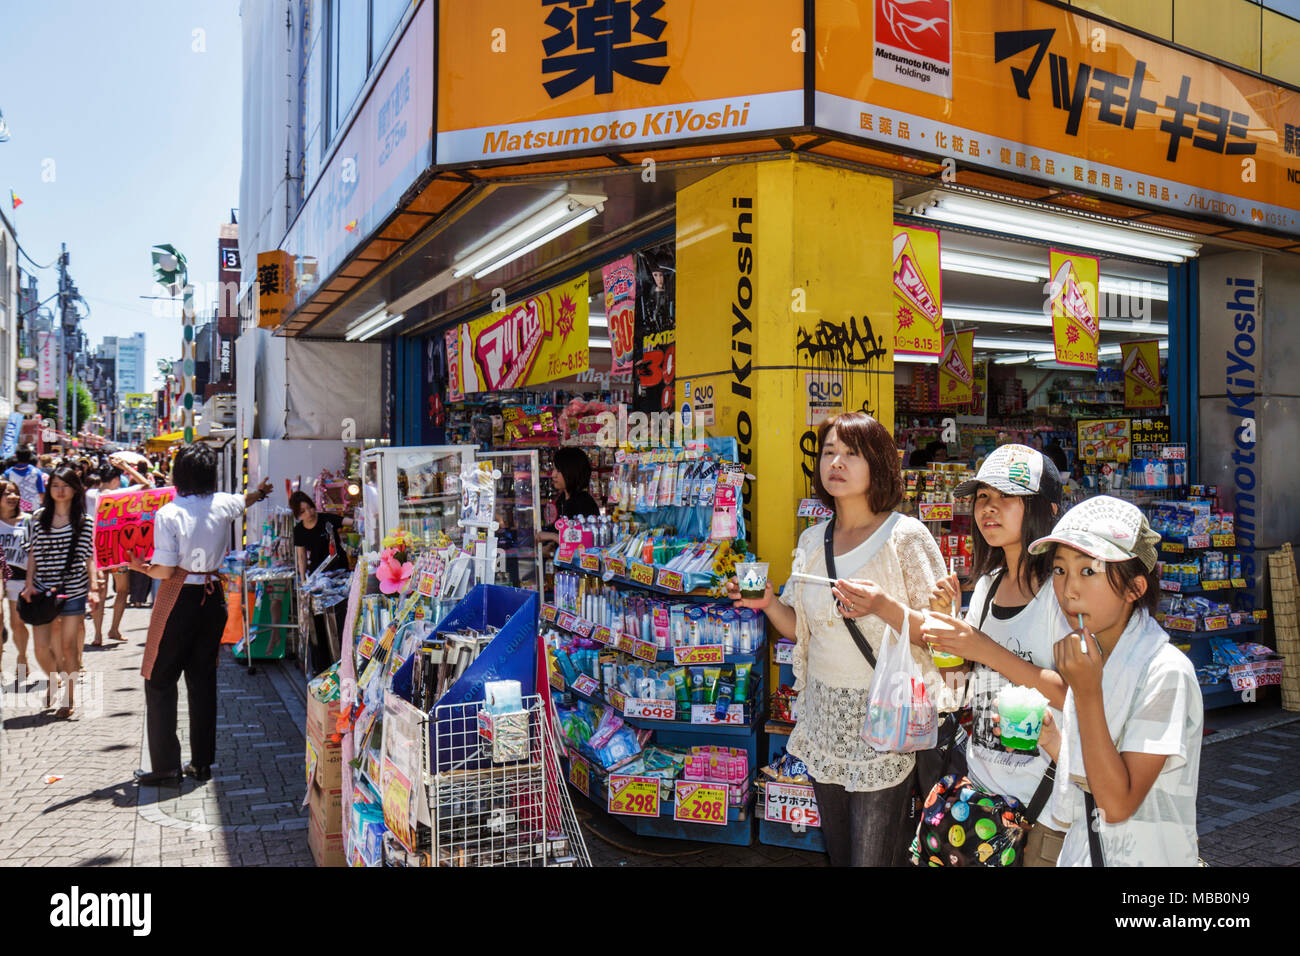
(1141, 374)
(1075, 327)
(538, 340)
(957, 369)
(700, 803)
(633, 796)
(918, 291)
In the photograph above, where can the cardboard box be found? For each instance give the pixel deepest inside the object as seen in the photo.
(322, 719)
(326, 848)
(329, 765)
(326, 807)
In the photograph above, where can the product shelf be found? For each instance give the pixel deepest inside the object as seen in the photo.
(1201, 589)
(696, 595)
(582, 627)
(1221, 632)
(679, 726)
(598, 786)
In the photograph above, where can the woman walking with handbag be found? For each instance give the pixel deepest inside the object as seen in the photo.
(191, 537)
(61, 579)
(884, 565)
(13, 544)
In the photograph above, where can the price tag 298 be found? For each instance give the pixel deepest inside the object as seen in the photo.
(700, 803)
(633, 796)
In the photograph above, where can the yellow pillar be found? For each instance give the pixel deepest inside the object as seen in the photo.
(784, 297)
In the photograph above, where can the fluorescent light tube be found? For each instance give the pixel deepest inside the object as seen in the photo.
(540, 241)
(374, 328)
(513, 237)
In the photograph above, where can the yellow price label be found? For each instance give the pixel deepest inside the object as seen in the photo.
(580, 774)
(643, 574)
(633, 796)
(700, 803)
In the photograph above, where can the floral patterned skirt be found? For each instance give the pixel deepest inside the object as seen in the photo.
(828, 738)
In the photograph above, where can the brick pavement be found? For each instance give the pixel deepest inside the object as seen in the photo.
(248, 814)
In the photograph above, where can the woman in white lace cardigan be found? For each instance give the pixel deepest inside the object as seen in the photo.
(886, 564)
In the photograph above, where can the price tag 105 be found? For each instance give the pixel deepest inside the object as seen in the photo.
(700, 803)
(633, 796)
(580, 774)
(791, 803)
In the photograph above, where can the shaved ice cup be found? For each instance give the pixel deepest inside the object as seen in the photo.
(1020, 710)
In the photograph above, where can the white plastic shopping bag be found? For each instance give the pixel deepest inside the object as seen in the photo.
(901, 712)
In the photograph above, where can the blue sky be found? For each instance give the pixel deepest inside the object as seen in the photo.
(140, 116)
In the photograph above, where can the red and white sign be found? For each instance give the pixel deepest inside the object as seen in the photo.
(792, 803)
(650, 709)
(913, 45)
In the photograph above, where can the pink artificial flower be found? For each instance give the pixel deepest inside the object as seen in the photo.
(393, 575)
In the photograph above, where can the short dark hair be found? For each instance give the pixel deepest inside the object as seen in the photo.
(25, 455)
(1123, 575)
(575, 466)
(1055, 452)
(195, 470)
(872, 441)
(297, 500)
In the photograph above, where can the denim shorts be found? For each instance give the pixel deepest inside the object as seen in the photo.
(74, 607)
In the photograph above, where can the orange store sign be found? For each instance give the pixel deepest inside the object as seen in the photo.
(1030, 90)
(528, 79)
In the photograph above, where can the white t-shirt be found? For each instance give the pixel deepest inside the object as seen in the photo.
(1030, 635)
(1166, 717)
(193, 532)
(13, 542)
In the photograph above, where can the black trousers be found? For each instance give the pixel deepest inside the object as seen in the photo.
(865, 828)
(189, 645)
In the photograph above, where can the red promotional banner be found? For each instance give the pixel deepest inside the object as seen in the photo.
(124, 524)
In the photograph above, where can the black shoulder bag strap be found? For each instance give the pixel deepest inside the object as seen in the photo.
(851, 624)
(1094, 833)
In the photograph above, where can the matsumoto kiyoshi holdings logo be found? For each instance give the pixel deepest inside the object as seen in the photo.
(913, 44)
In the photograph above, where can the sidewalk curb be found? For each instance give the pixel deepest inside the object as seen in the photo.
(1264, 723)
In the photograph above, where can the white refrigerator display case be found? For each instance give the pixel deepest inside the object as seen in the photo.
(416, 489)
(518, 518)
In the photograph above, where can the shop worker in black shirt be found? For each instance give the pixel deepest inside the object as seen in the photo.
(316, 536)
(316, 542)
(571, 475)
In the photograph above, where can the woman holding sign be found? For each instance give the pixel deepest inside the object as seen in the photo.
(61, 564)
(191, 536)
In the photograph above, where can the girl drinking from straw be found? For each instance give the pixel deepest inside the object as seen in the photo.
(1130, 732)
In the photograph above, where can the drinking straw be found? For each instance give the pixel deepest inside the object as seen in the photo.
(1083, 641)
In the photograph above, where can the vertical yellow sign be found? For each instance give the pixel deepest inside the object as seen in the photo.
(1075, 327)
(957, 369)
(918, 291)
(1142, 374)
(274, 288)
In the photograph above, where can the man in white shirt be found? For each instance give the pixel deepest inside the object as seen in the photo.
(191, 535)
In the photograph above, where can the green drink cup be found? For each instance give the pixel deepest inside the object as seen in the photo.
(751, 576)
(1020, 710)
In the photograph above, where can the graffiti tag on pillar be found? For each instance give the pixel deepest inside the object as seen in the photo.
(851, 343)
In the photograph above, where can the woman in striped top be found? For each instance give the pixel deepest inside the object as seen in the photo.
(62, 525)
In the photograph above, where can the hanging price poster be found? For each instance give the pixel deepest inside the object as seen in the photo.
(918, 291)
(633, 796)
(1141, 365)
(957, 369)
(1075, 328)
(619, 279)
(700, 803)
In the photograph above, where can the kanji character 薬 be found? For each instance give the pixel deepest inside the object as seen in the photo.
(601, 33)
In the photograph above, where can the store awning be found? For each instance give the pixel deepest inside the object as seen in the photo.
(163, 442)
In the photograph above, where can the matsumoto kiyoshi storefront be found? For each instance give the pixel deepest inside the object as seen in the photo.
(972, 220)
(796, 159)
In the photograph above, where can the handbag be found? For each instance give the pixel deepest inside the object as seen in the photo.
(957, 807)
(45, 606)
